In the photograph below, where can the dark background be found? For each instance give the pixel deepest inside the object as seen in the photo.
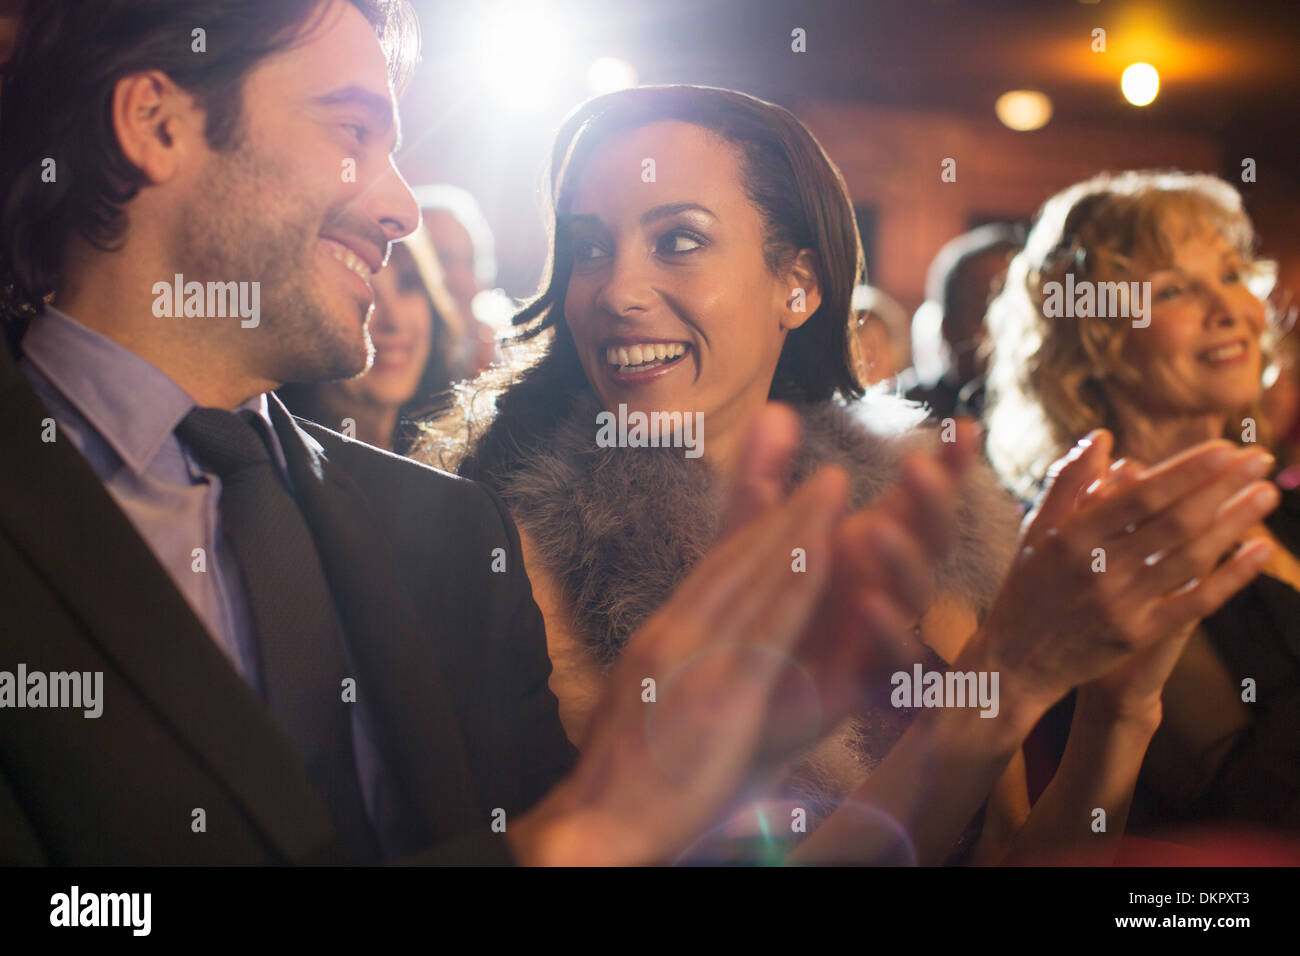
(891, 87)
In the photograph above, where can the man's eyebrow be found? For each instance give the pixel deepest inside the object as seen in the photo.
(379, 107)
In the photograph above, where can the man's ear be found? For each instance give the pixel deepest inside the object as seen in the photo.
(803, 291)
(155, 123)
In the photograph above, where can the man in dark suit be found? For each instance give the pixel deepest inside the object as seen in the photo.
(306, 650)
(181, 732)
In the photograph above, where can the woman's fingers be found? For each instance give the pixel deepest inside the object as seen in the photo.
(1121, 475)
(925, 499)
(1190, 516)
(1199, 554)
(763, 470)
(759, 569)
(1067, 478)
(1209, 594)
(872, 552)
(1159, 488)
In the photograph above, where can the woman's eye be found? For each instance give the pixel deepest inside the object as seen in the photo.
(1169, 292)
(1232, 276)
(586, 250)
(357, 130)
(675, 243)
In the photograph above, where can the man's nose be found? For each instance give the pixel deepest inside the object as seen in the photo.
(390, 203)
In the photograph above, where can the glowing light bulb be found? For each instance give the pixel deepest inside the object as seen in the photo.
(1140, 83)
(1023, 109)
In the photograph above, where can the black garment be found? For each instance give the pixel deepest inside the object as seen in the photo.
(1257, 635)
(455, 654)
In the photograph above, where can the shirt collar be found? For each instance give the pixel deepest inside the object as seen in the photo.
(131, 403)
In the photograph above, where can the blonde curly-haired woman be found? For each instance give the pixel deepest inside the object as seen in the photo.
(1183, 361)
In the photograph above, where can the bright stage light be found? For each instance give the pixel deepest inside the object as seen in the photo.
(1023, 109)
(520, 49)
(609, 74)
(1140, 83)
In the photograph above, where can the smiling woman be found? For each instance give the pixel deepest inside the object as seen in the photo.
(1227, 749)
(712, 226)
(696, 292)
(1189, 370)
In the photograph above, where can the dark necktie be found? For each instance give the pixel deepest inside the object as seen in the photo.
(298, 633)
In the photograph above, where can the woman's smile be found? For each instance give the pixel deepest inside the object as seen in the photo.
(634, 362)
(1226, 355)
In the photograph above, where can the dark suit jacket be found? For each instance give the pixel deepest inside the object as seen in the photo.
(451, 655)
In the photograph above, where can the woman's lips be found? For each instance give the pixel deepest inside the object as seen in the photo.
(392, 359)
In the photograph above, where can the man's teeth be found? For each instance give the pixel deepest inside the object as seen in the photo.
(350, 259)
(642, 354)
(1225, 352)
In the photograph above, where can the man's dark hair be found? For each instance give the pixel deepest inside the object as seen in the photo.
(57, 96)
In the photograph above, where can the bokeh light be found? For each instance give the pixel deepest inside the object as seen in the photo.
(1140, 83)
(608, 74)
(1023, 109)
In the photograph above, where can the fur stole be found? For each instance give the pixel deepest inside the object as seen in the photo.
(619, 528)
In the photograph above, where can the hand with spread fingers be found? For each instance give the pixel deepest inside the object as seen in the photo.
(1103, 576)
(655, 775)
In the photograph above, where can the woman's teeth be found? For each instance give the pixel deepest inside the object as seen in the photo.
(1225, 352)
(649, 354)
(349, 258)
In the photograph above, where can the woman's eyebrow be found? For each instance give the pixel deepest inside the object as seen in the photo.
(650, 215)
(672, 209)
(582, 219)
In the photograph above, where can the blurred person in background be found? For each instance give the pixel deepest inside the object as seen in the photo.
(1228, 747)
(948, 329)
(1282, 408)
(881, 336)
(408, 378)
(463, 241)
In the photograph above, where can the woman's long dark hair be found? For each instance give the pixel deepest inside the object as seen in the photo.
(804, 205)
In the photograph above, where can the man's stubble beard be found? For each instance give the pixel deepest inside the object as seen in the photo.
(248, 224)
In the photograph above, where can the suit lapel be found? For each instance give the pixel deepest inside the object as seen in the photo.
(391, 651)
(58, 513)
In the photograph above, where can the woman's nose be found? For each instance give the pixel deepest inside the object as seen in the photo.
(628, 288)
(382, 320)
(1221, 312)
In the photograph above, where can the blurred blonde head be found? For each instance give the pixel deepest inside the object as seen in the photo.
(1053, 380)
